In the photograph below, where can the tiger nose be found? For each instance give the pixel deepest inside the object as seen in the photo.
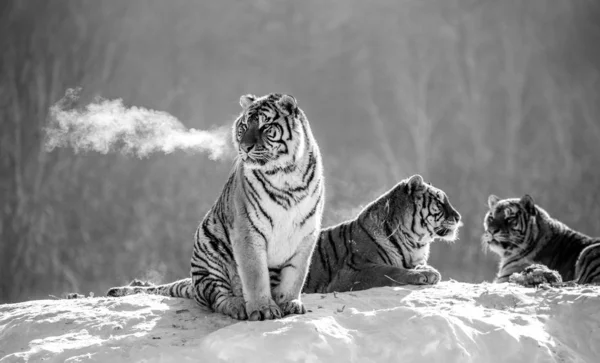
(455, 216)
(493, 229)
(247, 147)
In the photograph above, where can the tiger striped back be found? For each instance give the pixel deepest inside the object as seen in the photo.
(252, 249)
(387, 243)
(522, 234)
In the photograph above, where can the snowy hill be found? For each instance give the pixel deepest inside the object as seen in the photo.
(450, 322)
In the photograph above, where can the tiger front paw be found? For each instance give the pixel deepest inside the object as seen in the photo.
(236, 308)
(535, 275)
(292, 307)
(266, 310)
(425, 275)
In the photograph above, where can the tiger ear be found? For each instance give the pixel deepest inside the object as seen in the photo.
(528, 204)
(246, 100)
(492, 201)
(414, 182)
(287, 104)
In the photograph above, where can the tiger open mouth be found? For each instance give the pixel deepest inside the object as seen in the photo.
(447, 232)
(502, 243)
(442, 231)
(448, 229)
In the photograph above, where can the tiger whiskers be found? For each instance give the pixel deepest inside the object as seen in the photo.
(485, 246)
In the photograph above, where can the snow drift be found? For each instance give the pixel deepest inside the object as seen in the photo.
(449, 322)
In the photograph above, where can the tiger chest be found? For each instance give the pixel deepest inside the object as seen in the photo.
(407, 256)
(418, 256)
(289, 227)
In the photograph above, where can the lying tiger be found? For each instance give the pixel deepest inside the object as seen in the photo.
(523, 234)
(387, 243)
(264, 224)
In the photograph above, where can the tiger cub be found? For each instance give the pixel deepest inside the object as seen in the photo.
(265, 223)
(522, 234)
(388, 242)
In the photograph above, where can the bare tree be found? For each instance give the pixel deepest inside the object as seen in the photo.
(413, 73)
(364, 78)
(471, 77)
(517, 53)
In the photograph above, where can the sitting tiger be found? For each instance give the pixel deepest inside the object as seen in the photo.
(388, 242)
(524, 234)
(265, 223)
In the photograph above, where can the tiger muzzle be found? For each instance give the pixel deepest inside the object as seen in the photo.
(251, 145)
(487, 237)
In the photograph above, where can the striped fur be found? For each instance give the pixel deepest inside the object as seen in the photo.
(253, 247)
(522, 234)
(387, 243)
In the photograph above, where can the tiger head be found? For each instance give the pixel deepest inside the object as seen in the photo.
(510, 224)
(419, 211)
(270, 130)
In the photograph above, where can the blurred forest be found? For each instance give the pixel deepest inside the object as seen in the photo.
(478, 96)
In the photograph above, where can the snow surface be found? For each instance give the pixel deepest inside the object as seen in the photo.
(449, 322)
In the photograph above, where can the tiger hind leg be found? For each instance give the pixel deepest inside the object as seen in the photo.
(587, 268)
(223, 294)
(181, 288)
(220, 298)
